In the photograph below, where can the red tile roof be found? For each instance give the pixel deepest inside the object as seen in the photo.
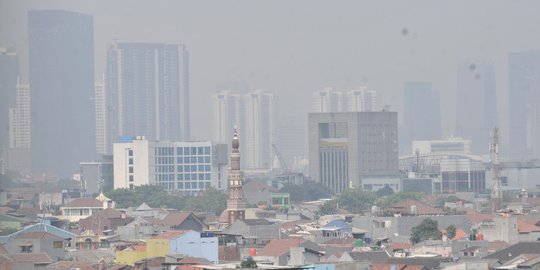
(85, 202)
(278, 247)
(475, 218)
(527, 227)
(404, 207)
(397, 246)
(38, 235)
(40, 258)
(170, 234)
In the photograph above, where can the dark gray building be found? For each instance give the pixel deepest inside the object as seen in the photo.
(61, 72)
(524, 104)
(476, 103)
(344, 147)
(422, 118)
(147, 86)
(97, 176)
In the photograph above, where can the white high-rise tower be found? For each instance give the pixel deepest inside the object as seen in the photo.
(259, 128)
(328, 100)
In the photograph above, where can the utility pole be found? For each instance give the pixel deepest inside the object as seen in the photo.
(496, 193)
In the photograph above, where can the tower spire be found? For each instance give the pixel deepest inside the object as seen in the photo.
(236, 204)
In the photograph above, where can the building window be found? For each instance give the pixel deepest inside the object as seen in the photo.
(26, 249)
(131, 178)
(130, 152)
(207, 150)
(179, 151)
(130, 161)
(130, 169)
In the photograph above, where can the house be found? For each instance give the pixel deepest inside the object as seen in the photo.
(38, 242)
(81, 208)
(179, 221)
(139, 228)
(190, 243)
(411, 207)
(38, 227)
(105, 222)
(254, 231)
(514, 251)
(290, 251)
(337, 228)
(25, 261)
(408, 263)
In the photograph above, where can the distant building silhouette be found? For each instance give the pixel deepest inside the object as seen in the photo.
(422, 117)
(328, 100)
(147, 88)
(227, 112)
(61, 73)
(524, 104)
(9, 72)
(476, 103)
(259, 128)
(345, 147)
(362, 100)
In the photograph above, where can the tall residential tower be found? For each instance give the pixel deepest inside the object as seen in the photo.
(61, 73)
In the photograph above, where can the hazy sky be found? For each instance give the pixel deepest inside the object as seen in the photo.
(293, 48)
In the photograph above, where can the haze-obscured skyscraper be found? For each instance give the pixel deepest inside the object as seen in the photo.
(328, 100)
(9, 72)
(147, 86)
(422, 117)
(524, 104)
(345, 147)
(259, 128)
(362, 100)
(61, 73)
(227, 112)
(100, 109)
(476, 103)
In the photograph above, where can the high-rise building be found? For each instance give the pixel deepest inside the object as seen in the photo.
(328, 100)
(422, 118)
(345, 147)
(524, 104)
(259, 128)
(227, 112)
(9, 73)
(147, 88)
(476, 103)
(19, 119)
(362, 100)
(61, 73)
(183, 166)
(100, 107)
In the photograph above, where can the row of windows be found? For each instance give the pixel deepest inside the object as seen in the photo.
(180, 168)
(186, 185)
(181, 160)
(182, 177)
(169, 151)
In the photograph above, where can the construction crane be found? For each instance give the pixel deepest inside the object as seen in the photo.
(496, 193)
(282, 162)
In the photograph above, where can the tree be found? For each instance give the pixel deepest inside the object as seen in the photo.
(389, 200)
(211, 200)
(427, 229)
(328, 208)
(356, 200)
(451, 231)
(385, 191)
(248, 263)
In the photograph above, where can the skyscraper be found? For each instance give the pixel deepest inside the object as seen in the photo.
(61, 73)
(524, 104)
(345, 147)
(9, 72)
(100, 109)
(259, 128)
(362, 100)
(328, 100)
(227, 112)
(476, 103)
(19, 119)
(147, 86)
(422, 118)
